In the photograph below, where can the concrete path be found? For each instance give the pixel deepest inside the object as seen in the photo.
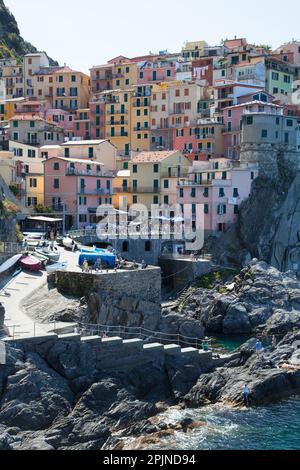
(19, 288)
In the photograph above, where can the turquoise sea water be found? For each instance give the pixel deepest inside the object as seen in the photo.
(276, 427)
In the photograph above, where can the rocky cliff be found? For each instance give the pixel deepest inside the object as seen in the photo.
(260, 299)
(11, 42)
(268, 226)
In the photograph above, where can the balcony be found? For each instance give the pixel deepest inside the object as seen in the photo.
(138, 129)
(74, 172)
(32, 142)
(116, 123)
(118, 134)
(118, 75)
(59, 207)
(117, 111)
(146, 190)
(96, 192)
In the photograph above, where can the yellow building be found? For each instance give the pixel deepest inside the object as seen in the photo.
(140, 118)
(154, 176)
(71, 89)
(193, 49)
(32, 178)
(122, 197)
(8, 108)
(124, 75)
(118, 118)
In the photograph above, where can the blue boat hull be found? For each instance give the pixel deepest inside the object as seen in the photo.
(107, 259)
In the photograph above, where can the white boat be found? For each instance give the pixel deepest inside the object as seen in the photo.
(50, 251)
(69, 243)
(57, 266)
(10, 263)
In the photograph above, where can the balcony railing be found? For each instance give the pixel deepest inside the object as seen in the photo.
(116, 123)
(149, 190)
(117, 111)
(119, 134)
(74, 172)
(32, 142)
(97, 192)
(142, 128)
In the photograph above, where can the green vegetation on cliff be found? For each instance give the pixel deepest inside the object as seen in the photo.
(11, 42)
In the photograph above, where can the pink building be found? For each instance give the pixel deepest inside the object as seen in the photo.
(201, 141)
(221, 187)
(81, 124)
(232, 118)
(76, 187)
(150, 72)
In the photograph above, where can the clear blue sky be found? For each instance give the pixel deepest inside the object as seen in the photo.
(83, 33)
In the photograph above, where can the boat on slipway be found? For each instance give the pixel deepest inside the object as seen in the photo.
(10, 263)
(57, 267)
(30, 263)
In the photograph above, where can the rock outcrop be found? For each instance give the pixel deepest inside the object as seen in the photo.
(270, 376)
(259, 299)
(268, 226)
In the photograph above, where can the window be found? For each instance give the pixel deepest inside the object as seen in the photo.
(73, 78)
(235, 192)
(166, 184)
(127, 69)
(16, 136)
(205, 192)
(264, 133)
(168, 73)
(275, 76)
(134, 199)
(193, 192)
(287, 79)
(275, 91)
(166, 199)
(33, 182)
(289, 123)
(286, 137)
(91, 152)
(222, 209)
(15, 123)
(56, 166)
(82, 218)
(56, 183)
(206, 208)
(134, 184)
(224, 175)
(236, 209)
(177, 93)
(31, 153)
(134, 168)
(221, 192)
(181, 192)
(277, 121)
(155, 168)
(155, 199)
(249, 120)
(67, 152)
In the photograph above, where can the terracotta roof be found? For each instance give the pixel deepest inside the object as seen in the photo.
(153, 156)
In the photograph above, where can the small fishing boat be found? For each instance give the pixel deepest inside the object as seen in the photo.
(52, 254)
(30, 263)
(9, 263)
(57, 267)
(69, 243)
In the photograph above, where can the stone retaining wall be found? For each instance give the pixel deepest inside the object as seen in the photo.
(117, 354)
(142, 284)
